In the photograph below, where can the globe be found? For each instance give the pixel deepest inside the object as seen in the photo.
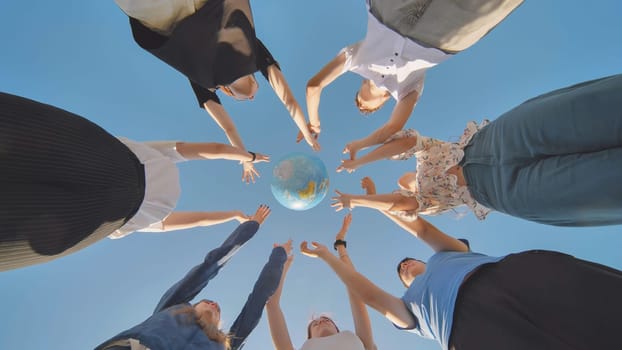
(299, 181)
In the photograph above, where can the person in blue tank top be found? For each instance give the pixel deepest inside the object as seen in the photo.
(529, 300)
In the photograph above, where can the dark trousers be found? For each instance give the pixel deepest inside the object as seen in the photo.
(64, 182)
(539, 300)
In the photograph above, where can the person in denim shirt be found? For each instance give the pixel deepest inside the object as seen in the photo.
(177, 324)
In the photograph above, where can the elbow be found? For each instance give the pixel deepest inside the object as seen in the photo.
(313, 87)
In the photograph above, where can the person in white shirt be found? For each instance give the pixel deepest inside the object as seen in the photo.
(322, 332)
(403, 40)
(66, 183)
(162, 188)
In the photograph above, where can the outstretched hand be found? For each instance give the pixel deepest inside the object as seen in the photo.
(347, 220)
(318, 250)
(368, 185)
(348, 165)
(288, 250)
(314, 132)
(259, 157)
(249, 172)
(261, 214)
(352, 148)
(241, 217)
(341, 201)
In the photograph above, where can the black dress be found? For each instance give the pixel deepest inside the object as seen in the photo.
(65, 182)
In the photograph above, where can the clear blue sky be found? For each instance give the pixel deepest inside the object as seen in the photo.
(79, 55)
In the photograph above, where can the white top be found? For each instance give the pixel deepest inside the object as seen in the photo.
(390, 60)
(436, 190)
(160, 15)
(344, 340)
(162, 187)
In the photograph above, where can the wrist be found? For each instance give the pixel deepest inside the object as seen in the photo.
(253, 156)
(339, 242)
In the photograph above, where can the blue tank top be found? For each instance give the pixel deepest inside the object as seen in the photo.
(432, 296)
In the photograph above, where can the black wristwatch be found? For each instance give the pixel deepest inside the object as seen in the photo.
(339, 242)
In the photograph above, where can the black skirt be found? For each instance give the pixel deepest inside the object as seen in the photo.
(65, 183)
(539, 300)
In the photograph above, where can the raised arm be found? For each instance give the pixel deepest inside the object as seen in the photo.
(385, 151)
(276, 320)
(265, 286)
(198, 277)
(388, 201)
(360, 316)
(323, 78)
(179, 220)
(420, 228)
(402, 111)
(222, 118)
(282, 90)
(388, 305)
(214, 150)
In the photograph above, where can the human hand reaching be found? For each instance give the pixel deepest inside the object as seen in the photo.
(260, 157)
(347, 220)
(348, 165)
(368, 185)
(261, 214)
(352, 148)
(317, 251)
(314, 134)
(249, 172)
(241, 217)
(288, 250)
(341, 201)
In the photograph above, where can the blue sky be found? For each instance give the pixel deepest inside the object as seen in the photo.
(79, 55)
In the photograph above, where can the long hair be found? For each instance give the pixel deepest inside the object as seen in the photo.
(213, 332)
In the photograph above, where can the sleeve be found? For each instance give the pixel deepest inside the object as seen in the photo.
(264, 58)
(350, 52)
(414, 82)
(203, 95)
(265, 286)
(416, 329)
(196, 279)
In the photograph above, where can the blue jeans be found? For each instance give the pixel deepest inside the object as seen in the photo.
(555, 159)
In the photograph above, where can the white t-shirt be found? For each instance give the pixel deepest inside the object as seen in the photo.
(390, 60)
(162, 187)
(344, 340)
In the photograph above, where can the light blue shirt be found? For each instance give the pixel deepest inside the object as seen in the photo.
(432, 296)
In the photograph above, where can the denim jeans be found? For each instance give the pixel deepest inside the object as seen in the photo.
(555, 159)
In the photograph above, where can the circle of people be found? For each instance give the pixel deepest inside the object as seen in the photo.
(554, 159)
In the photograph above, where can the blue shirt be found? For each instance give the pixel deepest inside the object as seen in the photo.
(432, 296)
(168, 328)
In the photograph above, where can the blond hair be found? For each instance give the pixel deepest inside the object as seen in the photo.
(212, 331)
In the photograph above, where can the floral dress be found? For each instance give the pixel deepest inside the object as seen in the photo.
(435, 190)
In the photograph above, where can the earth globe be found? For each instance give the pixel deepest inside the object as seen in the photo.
(299, 181)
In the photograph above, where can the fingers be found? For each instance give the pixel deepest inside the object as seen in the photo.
(340, 168)
(347, 220)
(299, 137)
(261, 158)
(261, 214)
(304, 249)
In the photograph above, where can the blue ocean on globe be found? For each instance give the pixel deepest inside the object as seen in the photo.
(299, 181)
